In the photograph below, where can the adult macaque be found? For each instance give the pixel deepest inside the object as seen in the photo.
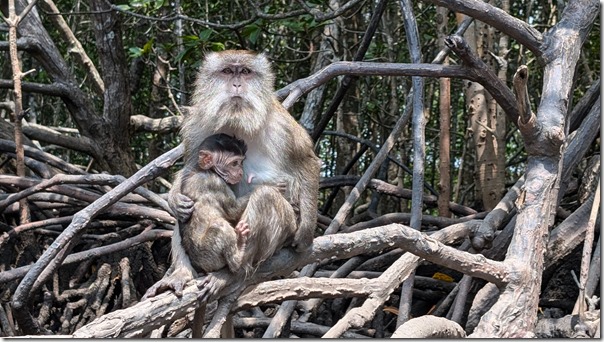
(234, 95)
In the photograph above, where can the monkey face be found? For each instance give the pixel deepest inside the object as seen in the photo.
(234, 91)
(234, 169)
(237, 77)
(257, 64)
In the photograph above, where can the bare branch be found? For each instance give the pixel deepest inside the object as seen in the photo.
(527, 121)
(304, 85)
(54, 89)
(587, 246)
(304, 288)
(9, 146)
(48, 135)
(152, 313)
(499, 19)
(142, 123)
(13, 22)
(482, 74)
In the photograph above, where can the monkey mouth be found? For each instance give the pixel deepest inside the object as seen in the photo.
(236, 108)
(239, 103)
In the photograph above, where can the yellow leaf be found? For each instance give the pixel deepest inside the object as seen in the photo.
(442, 276)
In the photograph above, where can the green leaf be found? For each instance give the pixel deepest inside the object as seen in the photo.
(138, 3)
(158, 4)
(217, 46)
(251, 32)
(205, 35)
(147, 47)
(135, 52)
(190, 40)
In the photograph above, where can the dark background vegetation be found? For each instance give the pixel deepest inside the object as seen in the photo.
(147, 71)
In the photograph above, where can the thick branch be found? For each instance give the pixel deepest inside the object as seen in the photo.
(514, 314)
(34, 153)
(524, 33)
(568, 234)
(497, 217)
(582, 108)
(48, 135)
(53, 89)
(304, 288)
(142, 123)
(304, 85)
(561, 53)
(23, 44)
(150, 314)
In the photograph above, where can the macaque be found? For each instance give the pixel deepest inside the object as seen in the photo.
(214, 237)
(234, 94)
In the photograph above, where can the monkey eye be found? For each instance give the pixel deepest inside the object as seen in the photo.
(227, 71)
(246, 71)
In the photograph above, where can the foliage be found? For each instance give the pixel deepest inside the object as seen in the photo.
(164, 42)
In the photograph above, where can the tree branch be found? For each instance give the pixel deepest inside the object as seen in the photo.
(48, 135)
(142, 123)
(483, 74)
(304, 85)
(524, 33)
(150, 314)
(41, 156)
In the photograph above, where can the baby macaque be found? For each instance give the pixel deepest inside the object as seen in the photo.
(214, 237)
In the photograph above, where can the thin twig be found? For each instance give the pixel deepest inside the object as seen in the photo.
(587, 246)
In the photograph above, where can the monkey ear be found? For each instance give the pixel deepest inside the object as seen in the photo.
(206, 160)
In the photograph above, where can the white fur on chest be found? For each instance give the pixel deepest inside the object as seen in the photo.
(260, 164)
(261, 161)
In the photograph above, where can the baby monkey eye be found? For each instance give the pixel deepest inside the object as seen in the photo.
(246, 71)
(227, 71)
